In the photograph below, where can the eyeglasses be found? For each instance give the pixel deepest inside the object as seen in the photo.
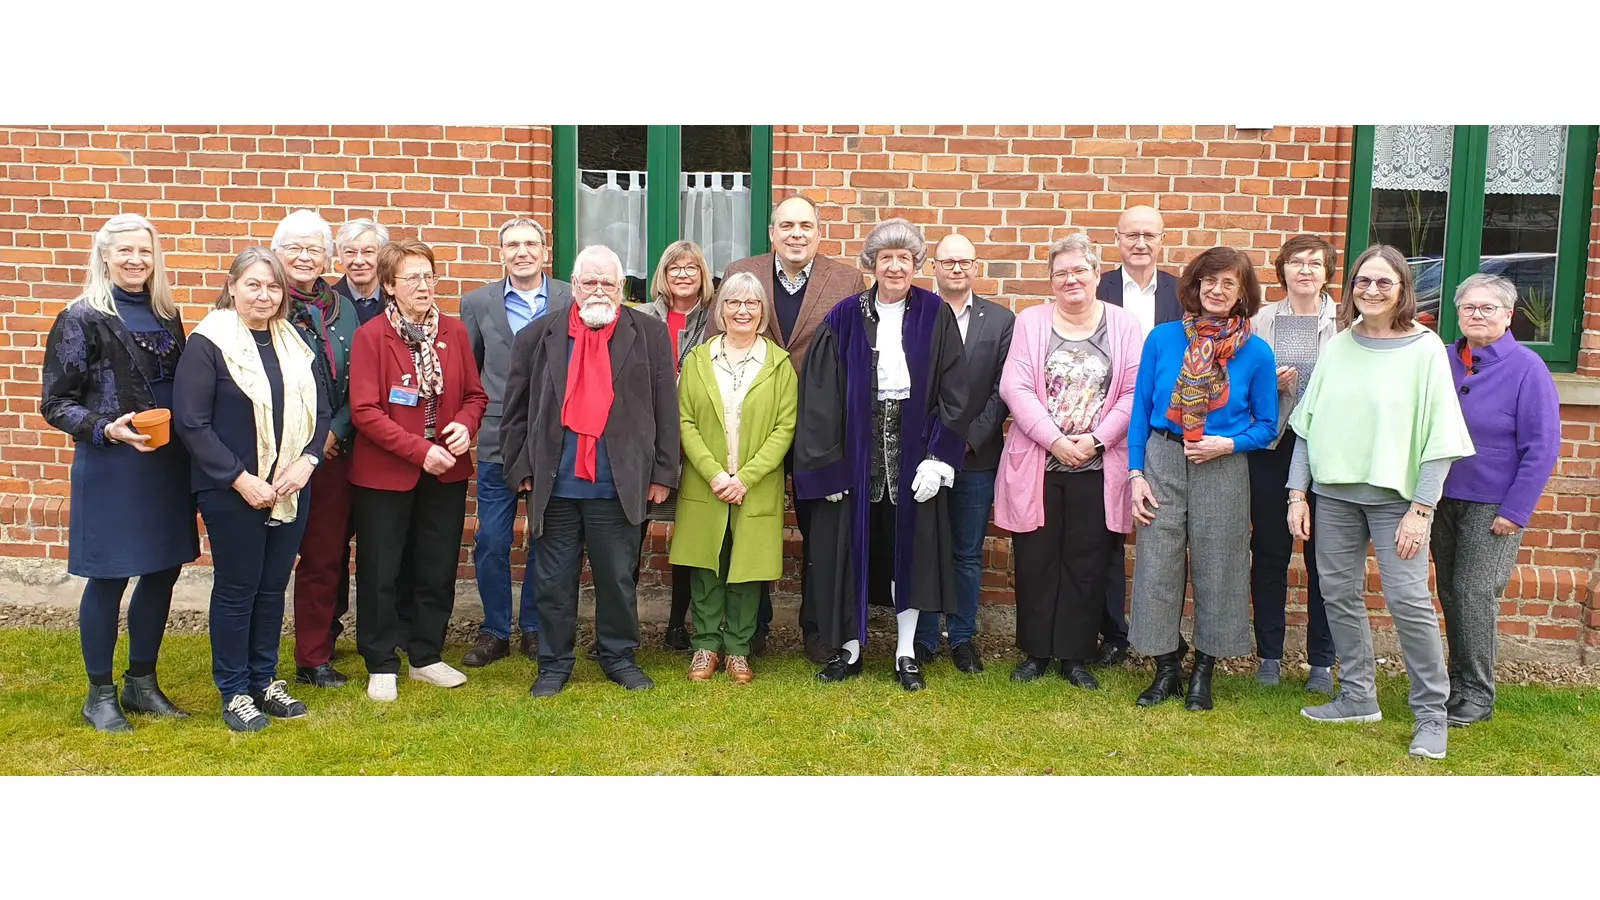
(1480, 312)
(1147, 237)
(1305, 265)
(748, 303)
(683, 271)
(1081, 273)
(1228, 285)
(950, 265)
(416, 279)
(356, 253)
(515, 246)
(293, 251)
(591, 285)
(1384, 285)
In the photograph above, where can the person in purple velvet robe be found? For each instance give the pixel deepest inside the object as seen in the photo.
(882, 428)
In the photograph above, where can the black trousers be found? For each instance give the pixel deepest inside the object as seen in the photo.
(1271, 547)
(1061, 569)
(602, 528)
(420, 527)
(808, 608)
(679, 613)
(881, 525)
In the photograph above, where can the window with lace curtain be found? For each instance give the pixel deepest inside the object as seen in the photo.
(638, 188)
(1511, 200)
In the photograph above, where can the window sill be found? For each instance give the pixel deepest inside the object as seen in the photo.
(1578, 390)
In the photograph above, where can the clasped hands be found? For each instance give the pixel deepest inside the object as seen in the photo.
(729, 489)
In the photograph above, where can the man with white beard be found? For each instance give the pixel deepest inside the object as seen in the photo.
(589, 433)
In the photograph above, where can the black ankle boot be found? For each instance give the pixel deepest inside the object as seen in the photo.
(141, 694)
(1169, 680)
(1200, 682)
(101, 710)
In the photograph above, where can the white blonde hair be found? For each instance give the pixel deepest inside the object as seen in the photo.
(356, 228)
(304, 223)
(600, 252)
(742, 286)
(97, 283)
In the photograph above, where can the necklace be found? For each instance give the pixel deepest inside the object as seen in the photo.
(261, 343)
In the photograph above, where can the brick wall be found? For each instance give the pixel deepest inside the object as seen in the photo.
(1011, 189)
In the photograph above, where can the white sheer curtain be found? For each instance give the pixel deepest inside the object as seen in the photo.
(715, 216)
(613, 214)
(1412, 157)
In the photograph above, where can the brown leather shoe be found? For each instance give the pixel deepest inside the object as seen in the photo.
(739, 670)
(703, 665)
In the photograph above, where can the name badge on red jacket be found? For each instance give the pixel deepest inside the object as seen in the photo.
(402, 395)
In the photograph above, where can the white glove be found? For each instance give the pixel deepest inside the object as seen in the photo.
(931, 475)
(835, 498)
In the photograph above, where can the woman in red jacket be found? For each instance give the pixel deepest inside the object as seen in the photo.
(416, 402)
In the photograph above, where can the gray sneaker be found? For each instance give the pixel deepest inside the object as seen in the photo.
(1269, 672)
(1428, 738)
(1321, 681)
(1344, 709)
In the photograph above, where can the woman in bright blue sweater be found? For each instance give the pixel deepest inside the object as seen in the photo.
(1207, 394)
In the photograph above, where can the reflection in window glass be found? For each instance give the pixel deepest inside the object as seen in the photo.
(1410, 201)
(612, 208)
(1522, 219)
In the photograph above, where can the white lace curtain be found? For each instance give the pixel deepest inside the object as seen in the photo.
(1412, 157)
(1526, 159)
(713, 211)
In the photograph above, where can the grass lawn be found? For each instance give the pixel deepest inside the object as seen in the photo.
(783, 724)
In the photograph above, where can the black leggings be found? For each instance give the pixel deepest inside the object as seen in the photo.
(147, 622)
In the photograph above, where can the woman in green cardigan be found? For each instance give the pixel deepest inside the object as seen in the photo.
(737, 400)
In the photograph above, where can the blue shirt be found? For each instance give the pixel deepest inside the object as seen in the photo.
(568, 484)
(1250, 416)
(523, 307)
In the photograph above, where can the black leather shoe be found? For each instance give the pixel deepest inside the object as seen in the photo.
(924, 653)
(1169, 680)
(1112, 653)
(677, 638)
(1468, 712)
(486, 649)
(967, 658)
(909, 674)
(100, 709)
(839, 668)
(631, 677)
(548, 684)
(1079, 675)
(593, 652)
(816, 650)
(758, 644)
(1200, 682)
(1030, 669)
(530, 644)
(323, 676)
(141, 694)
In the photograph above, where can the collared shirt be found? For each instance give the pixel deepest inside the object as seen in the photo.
(794, 285)
(964, 317)
(733, 380)
(366, 307)
(523, 307)
(1141, 301)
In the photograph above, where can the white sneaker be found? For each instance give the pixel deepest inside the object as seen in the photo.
(382, 688)
(440, 673)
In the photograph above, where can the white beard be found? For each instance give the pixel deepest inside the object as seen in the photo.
(597, 313)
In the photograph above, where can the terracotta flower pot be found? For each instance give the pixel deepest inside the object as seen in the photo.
(157, 423)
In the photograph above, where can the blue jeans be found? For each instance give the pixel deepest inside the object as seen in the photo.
(491, 555)
(971, 499)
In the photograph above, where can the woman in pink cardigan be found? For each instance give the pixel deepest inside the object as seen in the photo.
(1062, 488)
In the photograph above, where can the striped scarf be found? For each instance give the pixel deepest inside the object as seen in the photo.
(1203, 381)
(420, 339)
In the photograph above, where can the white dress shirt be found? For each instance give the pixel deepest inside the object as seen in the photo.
(894, 378)
(1140, 301)
(964, 317)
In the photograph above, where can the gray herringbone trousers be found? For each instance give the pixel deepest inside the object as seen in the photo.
(1473, 566)
(1205, 513)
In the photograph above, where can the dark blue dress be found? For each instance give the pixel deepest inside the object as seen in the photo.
(133, 513)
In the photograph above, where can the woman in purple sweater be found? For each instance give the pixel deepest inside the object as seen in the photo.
(1509, 401)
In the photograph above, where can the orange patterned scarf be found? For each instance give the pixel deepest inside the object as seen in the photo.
(1203, 381)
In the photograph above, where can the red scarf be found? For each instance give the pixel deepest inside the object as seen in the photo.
(589, 393)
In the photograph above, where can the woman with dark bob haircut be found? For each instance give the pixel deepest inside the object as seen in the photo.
(1207, 394)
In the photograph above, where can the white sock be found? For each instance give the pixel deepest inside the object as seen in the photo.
(852, 650)
(906, 625)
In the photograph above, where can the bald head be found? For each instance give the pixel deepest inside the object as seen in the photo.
(955, 263)
(1139, 233)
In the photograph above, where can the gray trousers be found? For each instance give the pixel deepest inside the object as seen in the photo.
(1343, 530)
(1205, 512)
(1473, 566)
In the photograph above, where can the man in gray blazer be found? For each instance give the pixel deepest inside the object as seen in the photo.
(802, 287)
(986, 339)
(493, 315)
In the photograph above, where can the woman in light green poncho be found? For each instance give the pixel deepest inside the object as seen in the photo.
(1379, 426)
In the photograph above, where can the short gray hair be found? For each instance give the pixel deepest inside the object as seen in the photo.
(742, 285)
(1074, 243)
(302, 223)
(523, 223)
(597, 251)
(1498, 286)
(355, 228)
(894, 234)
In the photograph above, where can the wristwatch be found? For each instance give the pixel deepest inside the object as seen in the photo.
(1099, 447)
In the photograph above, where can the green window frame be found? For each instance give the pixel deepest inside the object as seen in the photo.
(662, 166)
(1464, 228)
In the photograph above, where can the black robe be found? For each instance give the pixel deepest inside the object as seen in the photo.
(833, 441)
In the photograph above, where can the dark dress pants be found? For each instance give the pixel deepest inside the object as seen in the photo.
(1271, 547)
(602, 528)
(1061, 569)
(420, 528)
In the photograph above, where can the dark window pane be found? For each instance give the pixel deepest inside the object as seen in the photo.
(1522, 219)
(714, 192)
(612, 207)
(1410, 200)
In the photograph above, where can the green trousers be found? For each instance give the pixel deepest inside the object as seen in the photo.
(724, 614)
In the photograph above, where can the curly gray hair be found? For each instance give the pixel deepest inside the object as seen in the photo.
(894, 234)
